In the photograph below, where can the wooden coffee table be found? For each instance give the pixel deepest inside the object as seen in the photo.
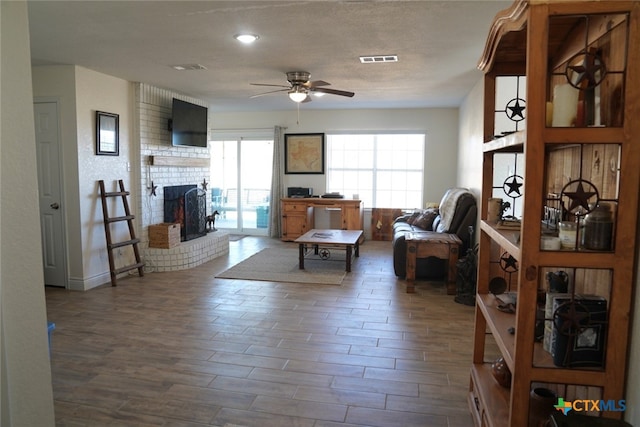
(349, 239)
(432, 244)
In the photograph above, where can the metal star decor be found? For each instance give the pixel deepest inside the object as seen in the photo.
(571, 318)
(324, 254)
(515, 109)
(512, 185)
(588, 73)
(204, 184)
(153, 189)
(508, 263)
(580, 197)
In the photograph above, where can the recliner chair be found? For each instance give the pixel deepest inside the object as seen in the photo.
(457, 211)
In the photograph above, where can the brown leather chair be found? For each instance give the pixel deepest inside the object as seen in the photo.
(458, 211)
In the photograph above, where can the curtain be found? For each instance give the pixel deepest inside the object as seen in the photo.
(277, 182)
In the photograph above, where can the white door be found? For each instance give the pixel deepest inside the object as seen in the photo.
(50, 190)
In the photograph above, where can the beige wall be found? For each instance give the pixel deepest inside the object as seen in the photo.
(470, 144)
(100, 92)
(26, 397)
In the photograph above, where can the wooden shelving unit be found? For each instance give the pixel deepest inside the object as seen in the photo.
(570, 167)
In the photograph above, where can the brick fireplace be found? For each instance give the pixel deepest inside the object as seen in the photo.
(188, 165)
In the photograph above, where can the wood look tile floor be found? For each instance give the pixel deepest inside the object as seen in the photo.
(186, 349)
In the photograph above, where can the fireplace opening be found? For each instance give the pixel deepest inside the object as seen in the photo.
(186, 205)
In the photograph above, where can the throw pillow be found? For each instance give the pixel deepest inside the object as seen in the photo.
(425, 220)
(413, 217)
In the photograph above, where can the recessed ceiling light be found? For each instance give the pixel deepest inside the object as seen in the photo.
(246, 38)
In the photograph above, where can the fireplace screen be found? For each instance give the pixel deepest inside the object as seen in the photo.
(186, 205)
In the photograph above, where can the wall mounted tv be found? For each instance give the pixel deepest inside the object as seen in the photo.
(188, 124)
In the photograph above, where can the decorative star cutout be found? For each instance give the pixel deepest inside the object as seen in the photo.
(515, 109)
(580, 197)
(512, 187)
(508, 263)
(588, 74)
(571, 320)
(153, 189)
(204, 184)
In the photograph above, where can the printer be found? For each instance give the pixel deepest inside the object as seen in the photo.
(299, 192)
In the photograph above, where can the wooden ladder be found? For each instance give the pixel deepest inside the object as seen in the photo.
(133, 241)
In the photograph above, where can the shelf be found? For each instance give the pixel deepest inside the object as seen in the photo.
(499, 323)
(560, 136)
(577, 259)
(507, 239)
(513, 142)
(493, 399)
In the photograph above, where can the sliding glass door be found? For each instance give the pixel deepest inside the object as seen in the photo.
(240, 184)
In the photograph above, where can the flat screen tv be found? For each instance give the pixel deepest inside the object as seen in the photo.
(188, 124)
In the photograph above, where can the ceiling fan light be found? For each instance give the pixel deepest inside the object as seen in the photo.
(246, 38)
(297, 96)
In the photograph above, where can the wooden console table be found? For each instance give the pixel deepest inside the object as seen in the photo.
(432, 244)
(298, 214)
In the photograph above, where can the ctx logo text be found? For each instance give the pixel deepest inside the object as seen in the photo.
(591, 405)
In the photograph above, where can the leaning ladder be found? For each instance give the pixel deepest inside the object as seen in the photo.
(133, 241)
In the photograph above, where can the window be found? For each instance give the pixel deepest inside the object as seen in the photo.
(384, 170)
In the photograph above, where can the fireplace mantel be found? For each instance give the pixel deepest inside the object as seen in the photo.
(196, 162)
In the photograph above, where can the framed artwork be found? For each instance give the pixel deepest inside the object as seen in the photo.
(107, 134)
(304, 153)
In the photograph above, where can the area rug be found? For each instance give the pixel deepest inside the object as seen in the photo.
(281, 265)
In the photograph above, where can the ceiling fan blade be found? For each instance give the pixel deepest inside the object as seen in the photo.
(267, 93)
(265, 84)
(316, 83)
(332, 91)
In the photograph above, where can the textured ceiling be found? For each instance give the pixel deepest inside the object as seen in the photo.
(438, 44)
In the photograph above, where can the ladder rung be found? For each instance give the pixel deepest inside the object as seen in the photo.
(120, 218)
(121, 244)
(128, 268)
(107, 230)
(116, 193)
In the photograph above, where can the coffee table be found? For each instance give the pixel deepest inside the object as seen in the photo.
(349, 239)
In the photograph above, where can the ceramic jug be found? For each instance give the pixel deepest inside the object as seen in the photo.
(558, 281)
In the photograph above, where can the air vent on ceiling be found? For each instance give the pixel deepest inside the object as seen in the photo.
(185, 67)
(378, 58)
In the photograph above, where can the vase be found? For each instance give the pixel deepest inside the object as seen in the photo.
(541, 406)
(501, 372)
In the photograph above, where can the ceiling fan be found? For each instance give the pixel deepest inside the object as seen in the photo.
(300, 87)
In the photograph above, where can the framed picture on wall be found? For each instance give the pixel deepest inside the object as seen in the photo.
(304, 153)
(107, 134)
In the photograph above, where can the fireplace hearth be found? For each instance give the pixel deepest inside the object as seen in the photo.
(186, 205)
